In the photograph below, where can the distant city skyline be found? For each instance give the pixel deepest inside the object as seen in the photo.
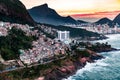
(80, 9)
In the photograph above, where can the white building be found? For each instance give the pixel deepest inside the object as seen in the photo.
(64, 36)
(116, 28)
(1, 24)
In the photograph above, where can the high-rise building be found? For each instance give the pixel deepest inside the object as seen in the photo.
(116, 27)
(63, 35)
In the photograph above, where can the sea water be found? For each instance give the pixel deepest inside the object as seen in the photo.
(104, 69)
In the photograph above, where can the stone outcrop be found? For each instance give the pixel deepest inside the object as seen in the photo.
(69, 66)
(14, 11)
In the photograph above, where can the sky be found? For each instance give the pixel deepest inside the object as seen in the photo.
(90, 10)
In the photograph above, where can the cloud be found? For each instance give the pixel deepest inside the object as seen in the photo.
(69, 7)
(109, 14)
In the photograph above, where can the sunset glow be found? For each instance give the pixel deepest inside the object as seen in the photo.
(95, 8)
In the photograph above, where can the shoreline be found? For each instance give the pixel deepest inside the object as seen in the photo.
(60, 73)
(77, 66)
(61, 68)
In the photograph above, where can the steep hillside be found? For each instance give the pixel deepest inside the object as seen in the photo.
(44, 14)
(104, 21)
(117, 19)
(14, 11)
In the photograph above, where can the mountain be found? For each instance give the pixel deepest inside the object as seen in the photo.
(117, 19)
(44, 14)
(81, 22)
(104, 21)
(14, 11)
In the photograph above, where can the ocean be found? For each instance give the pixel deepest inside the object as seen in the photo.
(104, 69)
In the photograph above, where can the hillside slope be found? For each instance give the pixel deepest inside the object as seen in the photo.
(14, 11)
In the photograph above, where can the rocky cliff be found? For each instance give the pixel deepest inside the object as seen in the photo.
(14, 11)
(44, 14)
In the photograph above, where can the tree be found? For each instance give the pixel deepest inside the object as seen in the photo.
(15, 40)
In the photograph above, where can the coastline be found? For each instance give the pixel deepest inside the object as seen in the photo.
(71, 67)
(80, 63)
(62, 68)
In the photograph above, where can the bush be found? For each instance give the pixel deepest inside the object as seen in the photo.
(15, 40)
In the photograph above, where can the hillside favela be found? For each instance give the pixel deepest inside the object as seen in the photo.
(59, 39)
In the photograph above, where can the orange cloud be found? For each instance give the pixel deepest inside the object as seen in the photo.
(109, 14)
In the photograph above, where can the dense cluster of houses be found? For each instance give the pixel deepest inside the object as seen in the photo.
(43, 49)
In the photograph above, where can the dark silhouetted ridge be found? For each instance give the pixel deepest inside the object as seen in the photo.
(44, 14)
(117, 19)
(14, 11)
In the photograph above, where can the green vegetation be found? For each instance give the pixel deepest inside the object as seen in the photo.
(45, 33)
(82, 53)
(41, 70)
(32, 72)
(15, 40)
(98, 47)
(23, 74)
